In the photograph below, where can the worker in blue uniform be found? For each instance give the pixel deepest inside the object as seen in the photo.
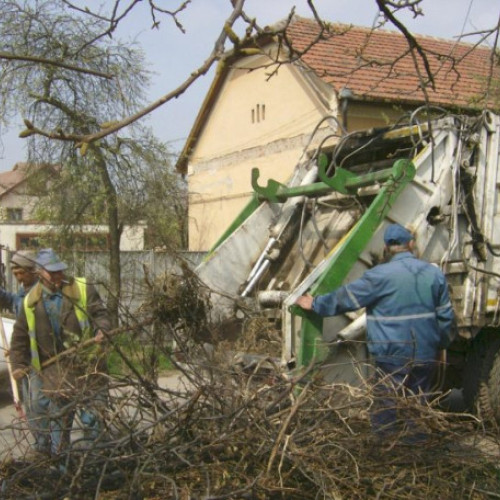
(409, 320)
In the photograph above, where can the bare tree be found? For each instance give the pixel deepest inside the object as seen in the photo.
(107, 18)
(76, 103)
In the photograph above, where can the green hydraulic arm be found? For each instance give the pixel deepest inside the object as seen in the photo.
(247, 211)
(276, 192)
(346, 253)
(342, 181)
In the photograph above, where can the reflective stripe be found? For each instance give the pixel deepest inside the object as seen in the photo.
(30, 319)
(81, 315)
(81, 308)
(401, 318)
(353, 298)
(445, 306)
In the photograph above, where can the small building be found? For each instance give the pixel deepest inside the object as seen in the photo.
(19, 228)
(274, 107)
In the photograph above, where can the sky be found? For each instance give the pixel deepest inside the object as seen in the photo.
(173, 55)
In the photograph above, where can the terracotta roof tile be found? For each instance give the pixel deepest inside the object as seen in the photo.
(12, 178)
(362, 59)
(376, 65)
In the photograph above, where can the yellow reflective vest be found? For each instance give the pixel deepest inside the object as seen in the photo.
(81, 315)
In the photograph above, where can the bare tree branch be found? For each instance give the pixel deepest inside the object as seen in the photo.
(112, 127)
(116, 18)
(52, 62)
(412, 42)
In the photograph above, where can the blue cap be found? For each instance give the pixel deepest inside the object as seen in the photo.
(50, 261)
(395, 234)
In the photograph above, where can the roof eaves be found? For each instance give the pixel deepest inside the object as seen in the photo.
(222, 70)
(317, 85)
(24, 176)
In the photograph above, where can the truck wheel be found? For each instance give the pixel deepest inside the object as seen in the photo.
(482, 376)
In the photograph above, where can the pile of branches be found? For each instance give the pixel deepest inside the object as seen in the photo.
(225, 433)
(228, 431)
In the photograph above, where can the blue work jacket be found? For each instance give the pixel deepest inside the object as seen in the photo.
(12, 301)
(408, 310)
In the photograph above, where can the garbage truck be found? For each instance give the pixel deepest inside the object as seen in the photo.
(437, 176)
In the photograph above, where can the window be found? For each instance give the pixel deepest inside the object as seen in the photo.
(14, 214)
(27, 241)
(258, 113)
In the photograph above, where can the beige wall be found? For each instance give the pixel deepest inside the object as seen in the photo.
(255, 122)
(261, 122)
(217, 195)
(252, 110)
(362, 115)
(17, 199)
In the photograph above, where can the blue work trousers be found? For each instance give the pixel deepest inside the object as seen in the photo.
(50, 419)
(390, 420)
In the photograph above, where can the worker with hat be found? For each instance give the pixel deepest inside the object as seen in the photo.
(59, 313)
(409, 319)
(22, 264)
(23, 268)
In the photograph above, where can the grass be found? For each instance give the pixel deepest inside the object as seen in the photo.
(146, 359)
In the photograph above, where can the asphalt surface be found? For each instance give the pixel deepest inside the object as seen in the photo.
(14, 436)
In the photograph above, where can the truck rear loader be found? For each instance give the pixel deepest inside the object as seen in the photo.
(439, 178)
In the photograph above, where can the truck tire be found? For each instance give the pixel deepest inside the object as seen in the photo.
(482, 376)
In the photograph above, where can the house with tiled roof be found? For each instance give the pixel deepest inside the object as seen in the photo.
(271, 108)
(16, 201)
(21, 229)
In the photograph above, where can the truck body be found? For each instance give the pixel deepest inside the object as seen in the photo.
(439, 178)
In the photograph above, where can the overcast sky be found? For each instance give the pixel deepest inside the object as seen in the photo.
(173, 55)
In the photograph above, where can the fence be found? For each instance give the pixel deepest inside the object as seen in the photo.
(135, 265)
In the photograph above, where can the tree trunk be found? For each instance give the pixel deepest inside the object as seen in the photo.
(115, 232)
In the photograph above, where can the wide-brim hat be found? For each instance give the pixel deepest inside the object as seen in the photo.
(50, 261)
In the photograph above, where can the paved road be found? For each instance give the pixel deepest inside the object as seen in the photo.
(13, 432)
(14, 437)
